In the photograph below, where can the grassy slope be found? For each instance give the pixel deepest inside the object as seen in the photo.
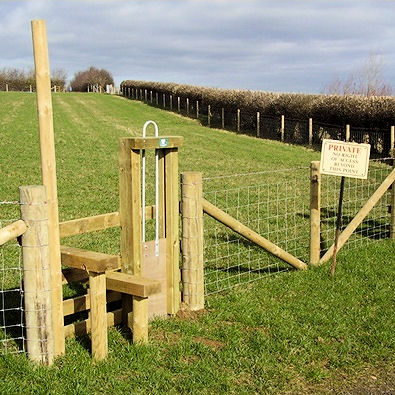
(287, 332)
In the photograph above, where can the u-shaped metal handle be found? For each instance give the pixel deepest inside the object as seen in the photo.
(156, 188)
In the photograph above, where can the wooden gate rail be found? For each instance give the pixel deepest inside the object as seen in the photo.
(250, 235)
(12, 231)
(363, 212)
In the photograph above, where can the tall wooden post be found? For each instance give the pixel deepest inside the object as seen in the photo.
(48, 170)
(188, 106)
(392, 227)
(392, 141)
(192, 240)
(145, 95)
(258, 124)
(164, 101)
(223, 118)
(315, 213)
(157, 98)
(310, 132)
(171, 102)
(238, 120)
(178, 104)
(197, 109)
(209, 115)
(282, 128)
(6, 87)
(36, 274)
(150, 96)
(172, 229)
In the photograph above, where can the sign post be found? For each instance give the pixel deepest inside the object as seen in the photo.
(343, 159)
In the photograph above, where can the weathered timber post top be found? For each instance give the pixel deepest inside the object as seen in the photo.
(166, 142)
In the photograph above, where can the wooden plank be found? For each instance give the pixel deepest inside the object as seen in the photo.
(153, 142)
(97, 222)
(82, 328)
(172, 231)
(315, 213)
(192, 240)
(140, 320)
(130, 207)
(362, 213)
(130, 284)
(36, 275)
(98, 315)
(12, 231)
(89, 261)
(48, 171)
(89, 224)
(82, 303)
(249, 234)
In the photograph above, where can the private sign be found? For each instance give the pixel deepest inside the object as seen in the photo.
(339, 158)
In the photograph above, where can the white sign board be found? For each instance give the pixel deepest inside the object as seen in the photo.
(339, 158)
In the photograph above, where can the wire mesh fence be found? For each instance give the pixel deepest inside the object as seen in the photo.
(276, 205)
(12, 331)
(376, 225)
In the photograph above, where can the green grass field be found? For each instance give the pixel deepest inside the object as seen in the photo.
(290, 333)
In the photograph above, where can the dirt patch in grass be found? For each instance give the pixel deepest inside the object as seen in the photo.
(185, 314)
(370, 381)
(214, 344)
(162, 336)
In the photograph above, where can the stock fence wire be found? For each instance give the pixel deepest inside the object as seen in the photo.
(376, 226)
(275, 204)
(12, 331)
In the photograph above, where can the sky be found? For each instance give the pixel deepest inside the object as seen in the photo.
(279, 45)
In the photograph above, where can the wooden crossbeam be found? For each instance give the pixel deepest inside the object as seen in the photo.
(89, 261)
(154, 142)
(12, 231)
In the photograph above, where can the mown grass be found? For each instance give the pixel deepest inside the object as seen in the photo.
(288, 332)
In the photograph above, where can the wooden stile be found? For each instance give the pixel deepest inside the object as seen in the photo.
(48, 169)
(315, 213)
(36, 275)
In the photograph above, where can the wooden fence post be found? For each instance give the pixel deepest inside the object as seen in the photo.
(348, 133)
(178, 104)
(188, 106)
(36, 274)
(315, 213)
(164, 100)
(150, 96)
(223, 118)
(31, 90)
(258, 124)
(392, 141)
(192, 240)
(282, 127)
(6, 87)
(145, 95)
(197, 109)
(157, 98)
(310, 132)
(48, 170)
(392, 228)
(171, 102)
(238, 120)
(209, 115)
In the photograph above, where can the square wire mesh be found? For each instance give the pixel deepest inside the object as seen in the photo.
(12, 338)
(274, 204)
(375, 226)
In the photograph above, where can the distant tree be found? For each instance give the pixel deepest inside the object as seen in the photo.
(59, 78)
(92, 77)
(365, 81)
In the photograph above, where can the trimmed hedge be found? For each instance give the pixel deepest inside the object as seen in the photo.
(358, 111)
